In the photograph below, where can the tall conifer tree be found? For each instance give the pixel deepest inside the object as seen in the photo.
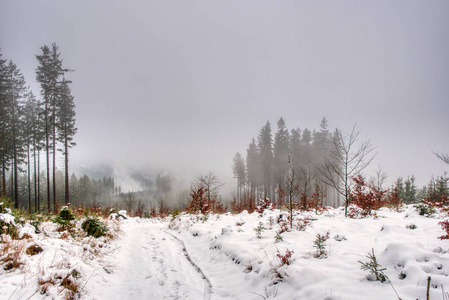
(66, 129)
(280, 153)
(265, 146)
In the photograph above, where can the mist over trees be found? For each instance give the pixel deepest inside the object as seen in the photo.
(299, 167)
(30, 125)
(271, 160)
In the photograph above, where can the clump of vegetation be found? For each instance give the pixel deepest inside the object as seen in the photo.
(411, 226)
(374, 267)
(286, 258)
(259, 229)
(425, 208)
(11, 255)
(302, 224)
(64, 218)
(278, 237)
(264, 204)
(320, 245)
(34, 249)
(94, 227)
(239, 223)
(365, 198)
(445, 226)
(8, 227)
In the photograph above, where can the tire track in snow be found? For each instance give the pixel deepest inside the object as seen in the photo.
(207, 284)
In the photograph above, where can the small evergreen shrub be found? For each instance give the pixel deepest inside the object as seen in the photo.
(64, 218)
(320, 245)
(278, 237)
(374, 267)
(259, 229)
(425, 208)
(94, 227)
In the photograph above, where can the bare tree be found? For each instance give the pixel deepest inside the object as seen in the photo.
(379, 178)
(292, 183)
(347, 159)
(443, 157)
(210, 183)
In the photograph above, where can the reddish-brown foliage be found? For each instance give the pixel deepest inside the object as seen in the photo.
(282, 194)
(264, 204)
(445, 227)
(246, 202)
(199, 202)
(366, 197)
(393, 199)
(317, 198)
(285, 259)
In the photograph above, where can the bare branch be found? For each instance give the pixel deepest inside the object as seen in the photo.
(443, 157)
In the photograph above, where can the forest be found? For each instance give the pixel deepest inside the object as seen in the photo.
(37, 130)
(321, 168)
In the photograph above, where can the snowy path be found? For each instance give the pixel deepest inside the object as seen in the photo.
(150, 264)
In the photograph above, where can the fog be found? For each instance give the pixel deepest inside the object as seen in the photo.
(181, 86)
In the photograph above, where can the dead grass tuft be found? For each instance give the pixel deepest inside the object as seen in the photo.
(11, 254)
(34, 249)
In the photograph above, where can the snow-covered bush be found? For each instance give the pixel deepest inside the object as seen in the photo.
(7, 224)
(94, 227)
(64, 218)
(264, 204)
(425, 208)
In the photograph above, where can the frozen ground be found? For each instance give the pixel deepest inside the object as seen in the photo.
(147, 260)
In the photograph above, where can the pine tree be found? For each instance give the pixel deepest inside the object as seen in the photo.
(49, 74)
(4, 119)
(252, 167)
(265, 147)
(15, 89)
(306, 166)
(321, 143)
(30, 114)
(239, 173)
(399, 187)
(295, 149)
(66, 129)
(280, 153)
(410, 190)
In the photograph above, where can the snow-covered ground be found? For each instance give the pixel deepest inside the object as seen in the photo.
(220, 257)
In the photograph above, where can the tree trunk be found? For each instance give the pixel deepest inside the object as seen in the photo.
(54, 156)
(48, 156)
(35, 177)
(14, 144)
(3, 193)
(29, 180)
(38, 208)
(66, 161)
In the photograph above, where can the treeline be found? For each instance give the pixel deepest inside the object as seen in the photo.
(269, 159)
(297, 167)
(33, 129)
(437, 190)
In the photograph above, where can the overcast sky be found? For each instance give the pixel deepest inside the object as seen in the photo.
(184, 85)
